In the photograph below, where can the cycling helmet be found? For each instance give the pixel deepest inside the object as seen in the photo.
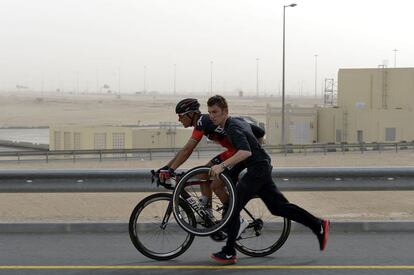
(187, 105)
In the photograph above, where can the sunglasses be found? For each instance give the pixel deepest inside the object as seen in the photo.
(180, 116)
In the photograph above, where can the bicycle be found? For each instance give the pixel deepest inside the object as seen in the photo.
(169, 238)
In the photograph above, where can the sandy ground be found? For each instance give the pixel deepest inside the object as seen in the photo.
(28, 109)
(339, 206)
(349, 159)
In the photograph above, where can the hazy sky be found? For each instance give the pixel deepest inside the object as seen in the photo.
(85, 43)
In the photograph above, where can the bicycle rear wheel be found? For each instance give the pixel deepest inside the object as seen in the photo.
(153, 230)
(265, 234)
(188, 189)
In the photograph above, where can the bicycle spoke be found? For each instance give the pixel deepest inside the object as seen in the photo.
(209, 219)
(269, 238)
(150, 237)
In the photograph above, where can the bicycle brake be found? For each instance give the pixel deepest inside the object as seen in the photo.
(153, 177)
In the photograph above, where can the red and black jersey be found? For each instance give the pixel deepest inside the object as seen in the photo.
(205, 127)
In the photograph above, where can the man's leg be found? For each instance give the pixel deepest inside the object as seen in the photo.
(278, 205)
(245, 190)
(217, 185)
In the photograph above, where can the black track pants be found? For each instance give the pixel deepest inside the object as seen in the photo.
(258, 181)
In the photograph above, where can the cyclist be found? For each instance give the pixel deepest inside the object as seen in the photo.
(257, 181)
(188, 111)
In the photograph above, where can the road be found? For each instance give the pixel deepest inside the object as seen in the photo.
(113, 253)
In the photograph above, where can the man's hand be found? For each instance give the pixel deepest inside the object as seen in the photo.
(163, 168)
(165, 173)
(216, 170)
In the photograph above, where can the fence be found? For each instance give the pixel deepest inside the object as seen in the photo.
(203, 152)
(139, 180)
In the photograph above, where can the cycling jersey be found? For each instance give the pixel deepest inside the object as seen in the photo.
(205, 127)
(242, 138)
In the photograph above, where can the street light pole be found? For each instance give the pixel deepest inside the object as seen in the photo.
(211, 78)
(257, 77)
(316, 74)
(395, 57)
(283, 75)
(175, 77)
(145, 79)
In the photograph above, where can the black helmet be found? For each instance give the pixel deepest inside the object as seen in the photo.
(187, 105)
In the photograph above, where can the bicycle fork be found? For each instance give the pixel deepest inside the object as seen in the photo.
(194, 205)
(167, 215)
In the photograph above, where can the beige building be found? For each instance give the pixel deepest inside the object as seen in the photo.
(300, 125)
(374, 105)
(117, 137)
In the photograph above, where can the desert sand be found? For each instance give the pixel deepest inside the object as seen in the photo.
(31, 109)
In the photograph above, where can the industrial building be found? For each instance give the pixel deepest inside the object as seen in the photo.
(117, 137)
(300, 124)
(374, 105)
(164, 135)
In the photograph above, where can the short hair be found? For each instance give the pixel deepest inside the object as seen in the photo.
(219, 101)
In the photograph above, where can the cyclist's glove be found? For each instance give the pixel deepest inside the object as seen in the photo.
(165, 173)
(163, 168)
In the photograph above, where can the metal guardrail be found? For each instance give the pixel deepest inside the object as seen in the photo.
(24, 145)
(160, 153)
(139, 180)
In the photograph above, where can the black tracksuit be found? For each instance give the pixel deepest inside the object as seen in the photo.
(258, 181)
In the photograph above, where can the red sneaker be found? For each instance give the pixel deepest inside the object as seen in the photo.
(323, 234)
(224, 258)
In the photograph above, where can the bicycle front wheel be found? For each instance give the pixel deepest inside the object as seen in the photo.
(153, 230)
(265, 234)
(188, 189)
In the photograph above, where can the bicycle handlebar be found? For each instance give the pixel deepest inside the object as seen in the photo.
(169, 186)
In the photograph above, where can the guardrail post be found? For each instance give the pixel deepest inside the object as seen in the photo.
(150, 154)
(100, 155)
(47, 157)
(73, 156)
(18, 157)
(198, 154)
(396, 147)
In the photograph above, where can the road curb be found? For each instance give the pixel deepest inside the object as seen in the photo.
(120, 227)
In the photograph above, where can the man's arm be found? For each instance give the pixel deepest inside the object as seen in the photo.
(239, 156)
(240, 142)
(183, 154)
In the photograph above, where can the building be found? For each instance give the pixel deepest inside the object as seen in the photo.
(374, 105)
(300, 125)
(117, 137)
(164, 135)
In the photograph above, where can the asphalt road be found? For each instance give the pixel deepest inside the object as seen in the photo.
(347, 253)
